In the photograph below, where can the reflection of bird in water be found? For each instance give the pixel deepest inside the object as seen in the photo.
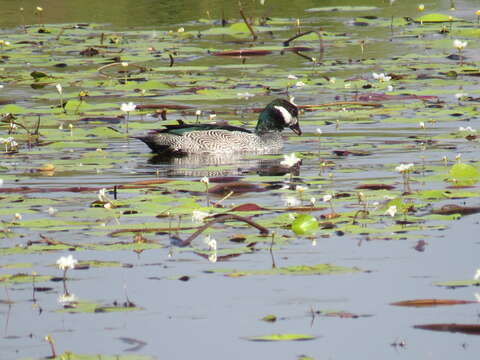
(221, 138)
(234, 164)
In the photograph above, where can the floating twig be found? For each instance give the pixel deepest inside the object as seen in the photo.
(219, 219)
(322, 48)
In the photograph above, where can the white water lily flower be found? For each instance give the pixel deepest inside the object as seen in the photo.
(477, 275)
(300, 188)
(181, 30)
(292, 77)
(319, 131)
(52, 211)
(128, 107)
(205, 180)
(213, 257)
(18, 216)
(211, 243)
(291, 201)
(198, 112)
(102, 195)
(211, 117)
(402, 168)
(59, 88)
(460, 96)
(299, 84)
(421, 7)
(327, 198)
(313, 201)
(332, 80)
(459, 44)
(198, 216)
(67, 298)
(381, 77)
(390, 88)
(392, 210)
(421, 125)
(468, 129)
(290, 160)
(66, 262)
(124, 64)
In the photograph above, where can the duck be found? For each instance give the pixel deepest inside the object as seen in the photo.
(182, 138)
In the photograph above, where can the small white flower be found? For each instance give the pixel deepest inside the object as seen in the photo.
(381, 77)
(460, 96)
(17, 216)
(211, 243)
(421, 7)
(292, 77)
(389, 88)
(291, 201)
(39, 8)
(67, 298)
(66, 262)
(403, 168)
(319, 131)
(102, 195)
(421, 125)
(128, 107)
(392, 210)
(477, 275)
(459, 44)
(300, 188)
(211, 117)
(52, 211)
(332, 80)
(199, 216)
(313, 201)
(124, 64)
(290, 160)
(59, 88)
(180, 30)
(299, 84)
(467, 129)
(327, 198)
(198, 112)
(213, 257)
(458, 157)
(205, 180)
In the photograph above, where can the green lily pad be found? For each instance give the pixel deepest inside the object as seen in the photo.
(282, 337)
(319, 269)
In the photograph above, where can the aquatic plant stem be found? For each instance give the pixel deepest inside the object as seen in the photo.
(249, 26)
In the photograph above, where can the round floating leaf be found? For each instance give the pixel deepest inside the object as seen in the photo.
(464, 174)
(304, 225)
(435, 18)
(282, 337)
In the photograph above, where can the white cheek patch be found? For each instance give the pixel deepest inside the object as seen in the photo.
(287, 117)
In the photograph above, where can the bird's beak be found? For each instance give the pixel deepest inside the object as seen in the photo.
(296, 128)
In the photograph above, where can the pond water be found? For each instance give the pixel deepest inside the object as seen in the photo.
(136, 294)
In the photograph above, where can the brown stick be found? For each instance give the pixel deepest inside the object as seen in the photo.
(242, 14)
(219, 219)
(322, 48)
(340, 103)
